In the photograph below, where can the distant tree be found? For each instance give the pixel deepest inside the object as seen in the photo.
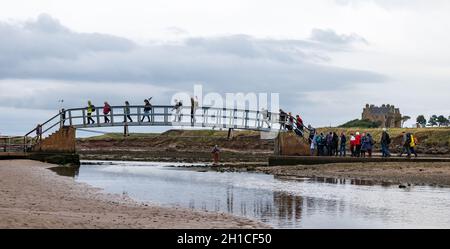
(442, 121)
(404, 119)
(421, 120)
(433, 120)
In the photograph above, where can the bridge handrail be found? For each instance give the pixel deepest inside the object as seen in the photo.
(58, 118)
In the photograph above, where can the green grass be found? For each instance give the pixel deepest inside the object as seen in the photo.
(428, 136)
(361, 123)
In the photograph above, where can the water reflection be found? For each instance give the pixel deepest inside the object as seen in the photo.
(70, 171)
(336, 180)
(300, 203)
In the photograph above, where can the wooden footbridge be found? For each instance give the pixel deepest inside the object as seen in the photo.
(129, 116)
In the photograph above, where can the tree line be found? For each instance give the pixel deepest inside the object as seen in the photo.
(434, 120)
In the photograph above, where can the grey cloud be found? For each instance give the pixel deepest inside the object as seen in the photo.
(44, 49)
(47, 38)
(329, 36)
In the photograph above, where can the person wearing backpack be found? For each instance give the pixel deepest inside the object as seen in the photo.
(320, 141)
(147, 109)
(412, 145)
(90, 110)
(385, 142)
(406, 144)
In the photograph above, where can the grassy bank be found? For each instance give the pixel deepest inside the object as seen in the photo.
(426, 136)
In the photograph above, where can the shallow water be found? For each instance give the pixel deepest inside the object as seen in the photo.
(301, 203)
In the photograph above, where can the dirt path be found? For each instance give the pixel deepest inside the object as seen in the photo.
(395, 172)
(34, 197)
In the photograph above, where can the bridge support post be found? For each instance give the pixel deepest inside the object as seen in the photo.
(125, 130)
(230, 133)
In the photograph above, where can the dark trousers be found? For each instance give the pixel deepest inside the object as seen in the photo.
(358, 150)
(342, 150)
(125, 117)
(89, 118)
(413, 151)
(385, 150)
(106, 118)
(406, 149)
(352, 150)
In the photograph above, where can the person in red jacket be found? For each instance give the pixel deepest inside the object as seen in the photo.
(106, 111)
(299, 122)
(358, 144)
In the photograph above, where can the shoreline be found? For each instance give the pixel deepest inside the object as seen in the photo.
(402, 173)
(33, 196)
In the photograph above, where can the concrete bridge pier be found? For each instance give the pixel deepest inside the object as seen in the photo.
(290, 144)
(58, 148)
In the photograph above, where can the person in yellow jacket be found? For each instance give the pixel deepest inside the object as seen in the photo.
(90, 110)
(412, 145)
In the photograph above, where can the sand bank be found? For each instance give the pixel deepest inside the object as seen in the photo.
(34, 197)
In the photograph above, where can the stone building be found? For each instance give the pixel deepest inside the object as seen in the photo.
(388, 115)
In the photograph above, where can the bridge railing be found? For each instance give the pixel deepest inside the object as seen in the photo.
(161, 115)
(13, 144)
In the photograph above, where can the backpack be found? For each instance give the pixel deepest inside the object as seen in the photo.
(93, 108)
(408, 139)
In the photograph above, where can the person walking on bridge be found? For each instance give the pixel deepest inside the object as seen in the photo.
(194, 106)
(127, 112)
(265, 116)
(299, 122)
(177, 108)
(106, 111)
(38, 133)
(147, 109)
(63, 116)
(90, 110)
(283, 117)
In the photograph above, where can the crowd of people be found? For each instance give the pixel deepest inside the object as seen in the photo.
(360, 144)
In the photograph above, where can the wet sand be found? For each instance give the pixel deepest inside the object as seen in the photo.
(436, 174)
(34, 197)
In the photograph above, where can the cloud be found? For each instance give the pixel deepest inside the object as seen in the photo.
(42, 61)
(395, 4)
(44, 49)
(329, 36)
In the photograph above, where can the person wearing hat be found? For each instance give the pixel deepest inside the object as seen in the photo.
(385, 142)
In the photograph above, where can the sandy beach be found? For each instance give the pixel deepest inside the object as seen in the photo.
(34, 197)
(437, 174)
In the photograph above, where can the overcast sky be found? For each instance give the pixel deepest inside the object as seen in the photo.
(326, 58)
